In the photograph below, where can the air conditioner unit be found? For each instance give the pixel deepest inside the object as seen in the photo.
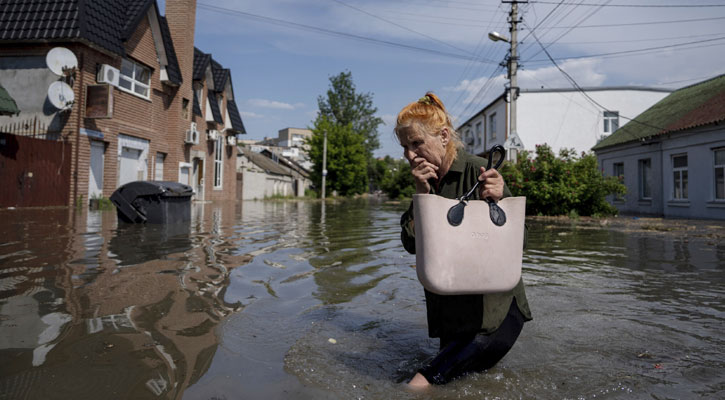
(192, 135)
(231, 140)
(212, 134)
(108, 74)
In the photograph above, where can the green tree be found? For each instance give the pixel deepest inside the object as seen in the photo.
(398, 181)
(561, 185)
(346, 158)
(343, 105)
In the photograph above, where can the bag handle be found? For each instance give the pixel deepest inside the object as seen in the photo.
(498, 216)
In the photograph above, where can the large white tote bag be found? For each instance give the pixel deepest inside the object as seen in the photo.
(476, 256)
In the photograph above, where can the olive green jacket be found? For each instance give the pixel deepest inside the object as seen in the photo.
(451, 315)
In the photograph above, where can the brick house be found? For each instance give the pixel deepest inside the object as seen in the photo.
(132, 117)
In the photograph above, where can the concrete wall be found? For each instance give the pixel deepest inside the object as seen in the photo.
(698, 145)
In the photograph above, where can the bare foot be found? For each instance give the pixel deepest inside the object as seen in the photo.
(418, 382)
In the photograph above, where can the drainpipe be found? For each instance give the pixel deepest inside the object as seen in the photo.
(78, 128)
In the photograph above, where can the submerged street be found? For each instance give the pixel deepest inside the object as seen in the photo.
(305, 300)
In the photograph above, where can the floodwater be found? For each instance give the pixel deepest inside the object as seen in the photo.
(296, 300)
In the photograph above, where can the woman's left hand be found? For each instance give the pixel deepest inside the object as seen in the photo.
(492, 185)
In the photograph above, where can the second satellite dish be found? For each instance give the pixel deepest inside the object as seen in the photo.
(59, 59)
(60, 95)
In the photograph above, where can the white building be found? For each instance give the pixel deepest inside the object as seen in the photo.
(561, 118)
(672, 156)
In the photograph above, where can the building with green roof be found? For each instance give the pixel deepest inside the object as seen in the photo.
(671, 157)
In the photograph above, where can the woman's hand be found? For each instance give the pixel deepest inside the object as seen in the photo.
(422, 171)
(492, 186)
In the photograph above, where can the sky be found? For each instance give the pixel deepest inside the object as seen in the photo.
(283, 52)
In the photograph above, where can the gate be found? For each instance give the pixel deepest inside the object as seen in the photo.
(34, 172)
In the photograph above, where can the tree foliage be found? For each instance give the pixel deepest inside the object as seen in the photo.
(561, 185)
(346, 158)
(395, 178)
(343, 106)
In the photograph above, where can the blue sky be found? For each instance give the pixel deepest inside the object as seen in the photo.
(397, 50)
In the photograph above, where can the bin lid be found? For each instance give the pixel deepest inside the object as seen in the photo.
(158, 188)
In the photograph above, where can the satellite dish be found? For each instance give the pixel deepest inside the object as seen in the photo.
(60, 95)
(60, 59)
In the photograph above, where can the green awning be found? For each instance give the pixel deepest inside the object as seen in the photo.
(7, 104)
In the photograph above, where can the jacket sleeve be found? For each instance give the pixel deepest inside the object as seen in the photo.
(407, 231)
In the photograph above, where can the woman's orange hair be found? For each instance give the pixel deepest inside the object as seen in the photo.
(428, 115)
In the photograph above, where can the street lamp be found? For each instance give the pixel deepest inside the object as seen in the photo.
(495, 36)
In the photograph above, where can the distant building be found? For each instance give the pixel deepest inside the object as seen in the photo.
(266, 174)
(671, 157)
(561, 118)
(293, 137)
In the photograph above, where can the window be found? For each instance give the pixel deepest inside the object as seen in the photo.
(159, 167)
(618, 172)
(611, 121)
(679, 177)
(479, 133)
(645, 179)
(185, 109)
(492, 125)
(134, 78)
(719, 174)
(467, 138)
(218, 147)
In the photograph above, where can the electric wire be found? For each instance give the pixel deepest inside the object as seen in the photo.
(635, 5)
(331, 32)
(402, 26)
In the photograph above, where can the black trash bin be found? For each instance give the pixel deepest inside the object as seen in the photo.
(154, 202)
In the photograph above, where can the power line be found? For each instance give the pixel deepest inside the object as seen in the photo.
(401, 26)
(642, 50)
(331, 32)
(586, 95)
(677, 21)
(634, 5)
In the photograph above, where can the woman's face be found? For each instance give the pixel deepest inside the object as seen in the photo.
(418, 144)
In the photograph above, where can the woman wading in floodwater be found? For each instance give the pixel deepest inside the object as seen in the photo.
(475, 331)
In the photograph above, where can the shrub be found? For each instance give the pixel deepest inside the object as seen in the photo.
(561, 185)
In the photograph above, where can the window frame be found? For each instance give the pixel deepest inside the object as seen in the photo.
(492, 126)
(479, 133)
(609, 120)
(218, 162)
(644, 183)
(715, 168)
(132, 79)
(679, 191)
(618, 172)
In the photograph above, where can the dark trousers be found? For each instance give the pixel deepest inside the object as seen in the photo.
(474, 352)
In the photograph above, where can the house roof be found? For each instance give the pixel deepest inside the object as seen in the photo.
(172, 70)
(236, 119)
(689, 107)
(220, 74)
(7, 103)
(214, 103)
(201, 60)
(106, 24)
(265, 163)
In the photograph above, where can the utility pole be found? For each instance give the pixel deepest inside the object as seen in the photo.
(513, 64)
(324, 163)
(513, 143)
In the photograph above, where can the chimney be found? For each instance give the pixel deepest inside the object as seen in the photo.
(181, 17)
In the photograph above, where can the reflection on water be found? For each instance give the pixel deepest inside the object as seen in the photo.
(310, 300)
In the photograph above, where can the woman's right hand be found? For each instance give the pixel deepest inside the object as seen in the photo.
(422, 171)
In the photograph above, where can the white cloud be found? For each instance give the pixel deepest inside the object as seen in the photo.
(389, 120)
(247, 114)
(264, 103)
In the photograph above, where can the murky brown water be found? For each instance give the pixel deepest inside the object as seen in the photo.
(244, 303)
